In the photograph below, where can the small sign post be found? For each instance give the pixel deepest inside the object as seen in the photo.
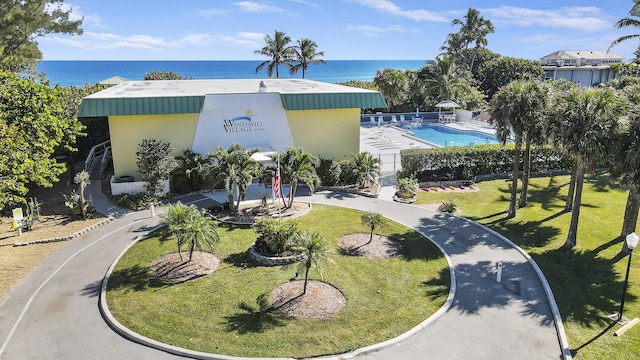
(18, 220)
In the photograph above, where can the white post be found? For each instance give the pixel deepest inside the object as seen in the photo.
(153, 210)
(499, 275)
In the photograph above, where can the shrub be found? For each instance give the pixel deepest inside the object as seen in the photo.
(33, 213)
(72, 201)
(136, 201)
(275, 237)
(348, 173)
(329, 172)
(448, 207)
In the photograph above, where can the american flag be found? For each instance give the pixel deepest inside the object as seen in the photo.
(276, 183)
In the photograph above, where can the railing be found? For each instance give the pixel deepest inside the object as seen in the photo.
(105, 161)
(97, 150)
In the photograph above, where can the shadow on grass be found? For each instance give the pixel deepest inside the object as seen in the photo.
(135, 278)
(240, 260)
(255, 318)
(586, 286)
(530, 234)
(602, 183)
(548, 197)
(604, 331)
(415, 246)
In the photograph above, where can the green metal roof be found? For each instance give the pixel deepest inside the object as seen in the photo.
(93, 107)
(348, 100)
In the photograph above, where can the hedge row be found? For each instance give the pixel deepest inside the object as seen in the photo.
(466, 162)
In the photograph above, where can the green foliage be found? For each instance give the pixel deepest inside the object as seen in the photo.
(33, 127)
(135, 201)
(314, 250)
(406, 187)
(23, 22)
(329, 172)
(275, 237)
(155, 164)
(235, 169)
(464, 162)
(193, 172)
(165, 75)
(191, 228)
(72, 201)
(448, 207)
(82, 179)
(304, 53)
(96, 128)
(298, 166)
(32, 213)
(279, 52)
(373, 220)
(499, 72)
(366, 168)
(369, 85)
(394, 86)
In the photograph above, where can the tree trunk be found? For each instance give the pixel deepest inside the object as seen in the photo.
(179, 251)
(238, 195)
(575, 214)
(191, 250)
(568, 206)
(370, 237)
(230, 201)
(306, 279)
(514, 183)
(525, 175)
(630, 215)
(292, 194)
(83, 209)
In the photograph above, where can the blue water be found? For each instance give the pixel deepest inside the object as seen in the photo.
(79, 73)
(445, 136)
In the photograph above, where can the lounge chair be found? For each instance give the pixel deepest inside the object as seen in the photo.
(393, 118)
(402, 118)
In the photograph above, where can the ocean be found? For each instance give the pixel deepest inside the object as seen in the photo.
(79, 73)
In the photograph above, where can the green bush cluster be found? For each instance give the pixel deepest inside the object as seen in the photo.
(465, 162)
(329, 172)
(275, 237)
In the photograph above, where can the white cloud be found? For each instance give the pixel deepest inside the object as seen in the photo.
(257, 7)
(76, 13)
(388, 7)
(308, 3)
(211, 12)
(373, 31)
(574, 17)
(243, 39)
(98, 41)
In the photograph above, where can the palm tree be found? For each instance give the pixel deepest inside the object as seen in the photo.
(444, 80)
(366, 167)
(201, 233)
(298, 166)
(394, 86)
(516, 111)
(82, 179)
(305, 54)
(373, 220)
(194, 167)
(453, 46)
(236, 169)
(628, 22)
(278, 50)
(473, 30)
(176, 219)
(626, 163)
(583, 121)
(313, 250)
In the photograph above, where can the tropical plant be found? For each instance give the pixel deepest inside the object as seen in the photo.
(582, 122)
(298, 166)
(629, 22)
(329, 172)
(191, 227)
(304, 53)
(82, 179)
(23, 22)
(32, 213)
(164, 75)
(444, 79)
(235, 169)
(366, 168)
(279, 52)
(517, 110)
(406, 187)
(313, 250)
(448, 207)
(195, 168)
(373, 220)
(155, 164)
(275, 237)
(500, 71)
(473, 31)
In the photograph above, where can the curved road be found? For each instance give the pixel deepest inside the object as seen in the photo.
(53, 312)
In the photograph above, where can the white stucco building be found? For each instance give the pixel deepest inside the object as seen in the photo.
(584, 67)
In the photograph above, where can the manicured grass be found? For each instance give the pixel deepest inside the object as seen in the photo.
(227, 312)
(586, 283)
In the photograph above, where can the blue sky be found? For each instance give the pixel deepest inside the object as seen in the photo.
(343, 29)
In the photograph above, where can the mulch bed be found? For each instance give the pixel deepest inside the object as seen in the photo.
(170, 268)
(320, 302)
(380, 247)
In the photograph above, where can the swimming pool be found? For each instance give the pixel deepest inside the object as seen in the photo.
(444, 136)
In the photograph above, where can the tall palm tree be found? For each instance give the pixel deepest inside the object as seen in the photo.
(235, 169)
(298, 166)
(304, 53)
(278, 50)
(314, 250)
(516, 110)
(201, 233)
(453, 46)
(366, 167)
(584, 120)
(373, 220)
(176, 219)
(194, 167)
(473, 30)
(394, 86)
(629, 22)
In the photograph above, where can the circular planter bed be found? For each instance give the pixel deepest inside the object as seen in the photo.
(321, 301)
(271, 260)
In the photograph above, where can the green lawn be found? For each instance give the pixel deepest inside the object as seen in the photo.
(587, 283)
(226, 312)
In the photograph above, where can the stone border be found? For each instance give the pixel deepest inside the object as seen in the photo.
(272, 260)
(275, 217)
(65, 238)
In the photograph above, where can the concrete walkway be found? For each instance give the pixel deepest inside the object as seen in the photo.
(53, 312)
